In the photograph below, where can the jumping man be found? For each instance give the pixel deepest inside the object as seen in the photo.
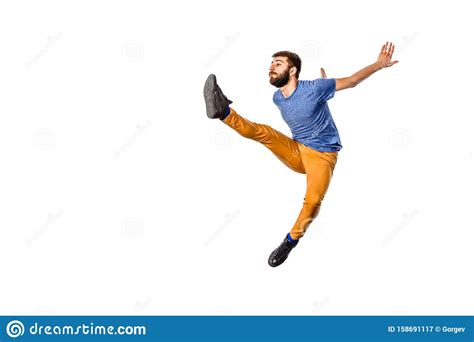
(314, 147)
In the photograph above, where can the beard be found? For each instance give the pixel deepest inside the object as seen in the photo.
(280, 80)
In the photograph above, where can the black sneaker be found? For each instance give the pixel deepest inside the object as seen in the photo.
(280, 254)
(216, 102)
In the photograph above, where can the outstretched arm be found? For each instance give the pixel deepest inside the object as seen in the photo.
(384, 60)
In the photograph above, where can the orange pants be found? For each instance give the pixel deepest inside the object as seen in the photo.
(318, 166)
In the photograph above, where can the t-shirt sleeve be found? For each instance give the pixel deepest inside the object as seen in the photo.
(324, 88)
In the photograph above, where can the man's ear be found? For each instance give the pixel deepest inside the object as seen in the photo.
(293, 71)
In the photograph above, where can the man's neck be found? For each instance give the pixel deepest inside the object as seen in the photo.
(289, 88)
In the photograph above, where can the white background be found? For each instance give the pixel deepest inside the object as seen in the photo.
(119, 196)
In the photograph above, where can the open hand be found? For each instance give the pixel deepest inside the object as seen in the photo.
(385, 56)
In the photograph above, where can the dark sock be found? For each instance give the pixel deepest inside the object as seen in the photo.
(227, 112)
(293, 241)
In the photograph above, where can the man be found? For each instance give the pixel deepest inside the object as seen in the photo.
(314, 147)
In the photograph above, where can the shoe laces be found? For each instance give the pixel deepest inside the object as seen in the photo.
(222, 93)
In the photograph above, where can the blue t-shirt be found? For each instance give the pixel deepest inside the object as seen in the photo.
(307, 114)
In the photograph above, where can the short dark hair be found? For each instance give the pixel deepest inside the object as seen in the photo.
(293, 59)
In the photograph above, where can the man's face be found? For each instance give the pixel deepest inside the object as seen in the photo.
(279, 72)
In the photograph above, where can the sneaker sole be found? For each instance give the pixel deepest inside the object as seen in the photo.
(209, 91)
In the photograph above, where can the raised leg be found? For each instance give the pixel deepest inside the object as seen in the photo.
(283, 147)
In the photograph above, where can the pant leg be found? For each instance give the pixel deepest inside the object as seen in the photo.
(283, 147)
(319, 168)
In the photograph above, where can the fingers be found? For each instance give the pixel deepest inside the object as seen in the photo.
(392, 48)
(323, 73)
(388, 48)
